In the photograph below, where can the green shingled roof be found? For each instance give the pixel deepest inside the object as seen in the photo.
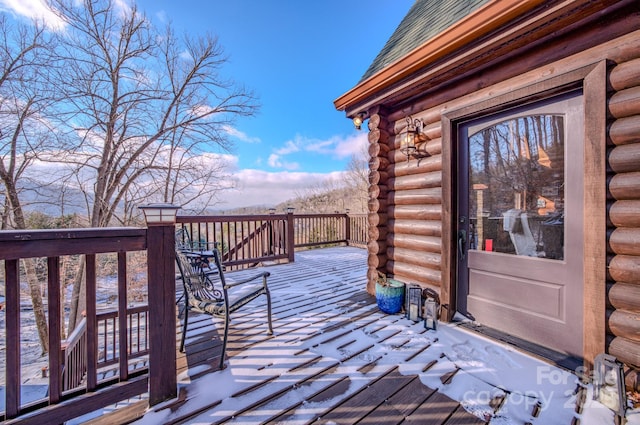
(425, 19)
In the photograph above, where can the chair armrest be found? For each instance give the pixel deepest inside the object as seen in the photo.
(263, 275)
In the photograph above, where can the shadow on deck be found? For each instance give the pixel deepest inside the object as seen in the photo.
(333, 358)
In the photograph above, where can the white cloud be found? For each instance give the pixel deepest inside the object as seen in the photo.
(337, 147)
(34, 9)
(257, 187)
(162, 16)
(38, 9)
(321, 146)
(240, 135)
(289, 147)
(275, 161)
(352, 145)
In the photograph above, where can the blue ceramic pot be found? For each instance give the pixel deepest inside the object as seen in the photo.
(390, 297)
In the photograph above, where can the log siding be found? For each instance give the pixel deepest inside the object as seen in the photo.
(415, 199)
(378, 176)
(623, 280)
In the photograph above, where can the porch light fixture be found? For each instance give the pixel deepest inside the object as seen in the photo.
(290, 210)
(358, 120)
(411, 137)
(159, 214)
(608, 383)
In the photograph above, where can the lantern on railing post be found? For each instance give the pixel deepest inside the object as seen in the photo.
(161, 288)
(608, 383)
(160, 214)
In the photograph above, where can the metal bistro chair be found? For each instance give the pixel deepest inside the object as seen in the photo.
(203, 296)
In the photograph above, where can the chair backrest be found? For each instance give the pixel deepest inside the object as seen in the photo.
(197, 283)
(217, 261)
(183, 240)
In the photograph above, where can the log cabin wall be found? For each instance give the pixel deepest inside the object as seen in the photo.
(406, 195)
(411, 232)
(623, 283)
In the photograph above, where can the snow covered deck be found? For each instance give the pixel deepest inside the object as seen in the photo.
(335, 357)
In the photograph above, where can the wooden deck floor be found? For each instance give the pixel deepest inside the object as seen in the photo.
(323, 363)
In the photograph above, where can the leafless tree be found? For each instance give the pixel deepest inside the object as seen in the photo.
(357, 179)
(25, 129)
(131, 92)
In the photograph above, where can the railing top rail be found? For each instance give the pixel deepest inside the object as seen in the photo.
(223, 218)
(79, 233)
(332, 215)
(16, 244)
(77, 332)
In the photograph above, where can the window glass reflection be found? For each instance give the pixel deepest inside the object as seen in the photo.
(516, 191)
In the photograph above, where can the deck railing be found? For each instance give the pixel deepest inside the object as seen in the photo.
(110, 345)
(77, 383)
(358, 230)
(74, 348)
(130, 350)
(244, 241)
(248, 240)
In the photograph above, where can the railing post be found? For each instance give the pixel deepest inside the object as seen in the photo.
(12, 323)
(291, 242)
(347, 231)
(161, 274)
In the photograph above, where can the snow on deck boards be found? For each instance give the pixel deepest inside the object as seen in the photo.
(335, 358)
(320, 363)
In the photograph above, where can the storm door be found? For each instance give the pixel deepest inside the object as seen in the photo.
(520, 222)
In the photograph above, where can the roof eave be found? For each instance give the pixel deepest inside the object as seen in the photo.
(477, 24)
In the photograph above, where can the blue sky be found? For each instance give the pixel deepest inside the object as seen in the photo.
(298, 57)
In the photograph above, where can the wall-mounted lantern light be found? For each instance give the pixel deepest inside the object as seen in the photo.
(608, 383)
(159, 214)
(411, 138)
(358, 120)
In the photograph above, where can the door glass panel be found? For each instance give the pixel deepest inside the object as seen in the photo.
(516, 193)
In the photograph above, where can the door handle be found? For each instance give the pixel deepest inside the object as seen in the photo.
(462, 240)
